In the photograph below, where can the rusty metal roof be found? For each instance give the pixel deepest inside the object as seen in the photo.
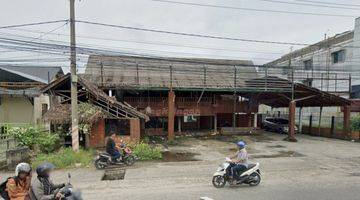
(304, 95)
(88, 92)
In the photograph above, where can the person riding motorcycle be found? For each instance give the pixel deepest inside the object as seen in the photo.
(112, 148)
(240, 159)
(19, 185)
(42, 187)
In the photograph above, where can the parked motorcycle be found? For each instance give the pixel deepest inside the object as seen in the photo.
(223, 174)
(104, 159)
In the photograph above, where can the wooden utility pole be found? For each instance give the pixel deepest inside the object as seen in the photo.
(74, 103)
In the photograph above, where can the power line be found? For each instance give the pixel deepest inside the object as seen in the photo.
(331, 3)
(309, 4)
(254, 9)
(33, 24)
(191, 34)
(158, 43)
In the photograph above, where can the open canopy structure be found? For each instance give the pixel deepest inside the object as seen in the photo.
(303, 95)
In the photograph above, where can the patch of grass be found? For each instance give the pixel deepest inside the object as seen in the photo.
(65, 158)
(145, 151)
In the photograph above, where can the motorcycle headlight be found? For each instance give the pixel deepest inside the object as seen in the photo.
(286, 129)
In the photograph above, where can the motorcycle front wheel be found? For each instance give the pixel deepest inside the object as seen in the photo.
(99, 164)
(218, 181)
(130, 160)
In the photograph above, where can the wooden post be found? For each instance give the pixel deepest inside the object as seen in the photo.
(346, 126)
(171, 114)
(179, 123)
(215, 122)
(319, 125)
(310, 125)
(332, 130)
(291, 132)
(300, 120)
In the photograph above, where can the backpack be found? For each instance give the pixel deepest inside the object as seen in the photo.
(3, 193)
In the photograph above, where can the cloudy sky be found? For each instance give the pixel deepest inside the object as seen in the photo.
(235, 23)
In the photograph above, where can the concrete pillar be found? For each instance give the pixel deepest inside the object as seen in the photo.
(135, 129)
(215, 122)
(300, 120)
(171, 114)
(255, 119)
(179, 123)
(346, 125)
(291, 133)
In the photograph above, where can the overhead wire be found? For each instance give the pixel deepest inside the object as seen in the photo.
(330, 3)
(254, 9)
(33, 24)
(308, 4)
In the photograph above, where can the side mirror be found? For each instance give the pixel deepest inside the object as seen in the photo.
(69, 177)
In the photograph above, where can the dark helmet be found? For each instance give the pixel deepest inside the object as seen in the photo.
(43, 169)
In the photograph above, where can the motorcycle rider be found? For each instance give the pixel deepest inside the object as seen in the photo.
(42, 187)
(240, 159)
(18, 186)
(111, 147)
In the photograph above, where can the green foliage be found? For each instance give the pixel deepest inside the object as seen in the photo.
(35, 136)
(65, 158)
(48, 142)
(146, 152)
(355, 123)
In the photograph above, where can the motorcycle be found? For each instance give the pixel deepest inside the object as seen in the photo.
(69, 192)
(104, 159)
(251, 176)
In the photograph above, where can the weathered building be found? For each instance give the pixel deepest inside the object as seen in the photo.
(329, 65)
(180, 94)
(20, 99)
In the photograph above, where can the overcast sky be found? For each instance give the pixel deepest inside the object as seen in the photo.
(182, 18)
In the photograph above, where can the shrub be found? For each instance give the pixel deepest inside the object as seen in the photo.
(65, 158)
(146, 152)
(34, 136)
(355, 123)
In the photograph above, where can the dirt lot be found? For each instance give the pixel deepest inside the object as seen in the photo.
(313, 168)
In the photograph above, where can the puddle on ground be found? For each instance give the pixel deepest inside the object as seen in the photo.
(178, 156)
(354, 174)
(276, 146)
(261, 138)
(280, 154)
(113, 174)
(248, 149)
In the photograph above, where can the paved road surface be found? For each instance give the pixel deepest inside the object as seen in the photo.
(317, 168)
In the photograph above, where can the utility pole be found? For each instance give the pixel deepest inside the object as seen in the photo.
(292, 75)
(74, 103)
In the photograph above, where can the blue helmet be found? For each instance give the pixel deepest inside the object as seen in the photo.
(241, 144)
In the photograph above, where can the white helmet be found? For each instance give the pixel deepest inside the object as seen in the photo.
(22, 167)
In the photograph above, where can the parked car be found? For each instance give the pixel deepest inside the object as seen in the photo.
(276, 124)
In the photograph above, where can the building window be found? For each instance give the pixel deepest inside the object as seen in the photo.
(338, 56)
(308, 64)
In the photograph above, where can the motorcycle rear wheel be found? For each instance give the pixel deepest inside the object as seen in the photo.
(100, 164)
(255, 179)
(130, 160)
(218, 181)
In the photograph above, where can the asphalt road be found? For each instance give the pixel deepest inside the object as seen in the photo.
(315, 168)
